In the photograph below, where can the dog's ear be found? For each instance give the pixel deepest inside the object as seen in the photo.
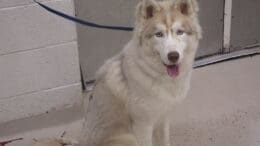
(187, 7)
(146, 9)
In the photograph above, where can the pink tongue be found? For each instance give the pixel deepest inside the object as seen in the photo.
(173, 70)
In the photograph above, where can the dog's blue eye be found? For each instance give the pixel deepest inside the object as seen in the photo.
(159, 34)
(180, 32)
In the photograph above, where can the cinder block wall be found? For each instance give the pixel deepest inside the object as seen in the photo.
(39, 67)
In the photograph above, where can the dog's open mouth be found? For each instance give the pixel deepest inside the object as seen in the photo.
(173, 70)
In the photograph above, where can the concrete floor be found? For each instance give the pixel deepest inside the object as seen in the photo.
(223, 109)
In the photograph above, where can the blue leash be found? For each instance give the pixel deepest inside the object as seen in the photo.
(82, 22)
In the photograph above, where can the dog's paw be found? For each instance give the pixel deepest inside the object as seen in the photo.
(67, 141)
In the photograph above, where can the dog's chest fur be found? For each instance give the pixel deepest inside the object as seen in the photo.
(140, 92)
(155, 96)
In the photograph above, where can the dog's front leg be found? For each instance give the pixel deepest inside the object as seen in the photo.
(166, 133)
(144, 133)
(162, 133)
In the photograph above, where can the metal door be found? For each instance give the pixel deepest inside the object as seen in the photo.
(211, 18)
(97, 45)
(245, 24)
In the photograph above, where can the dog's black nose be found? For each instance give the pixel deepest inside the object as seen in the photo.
(173, 56)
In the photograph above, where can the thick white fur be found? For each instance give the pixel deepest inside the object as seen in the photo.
(133, 97)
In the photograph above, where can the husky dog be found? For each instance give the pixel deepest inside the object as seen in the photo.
(136, 90)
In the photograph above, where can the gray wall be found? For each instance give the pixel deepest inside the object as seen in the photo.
(39, 67)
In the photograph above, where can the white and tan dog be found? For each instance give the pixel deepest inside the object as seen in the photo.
(137, 89)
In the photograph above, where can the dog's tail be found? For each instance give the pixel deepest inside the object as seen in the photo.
(121, 140)
(55, 142)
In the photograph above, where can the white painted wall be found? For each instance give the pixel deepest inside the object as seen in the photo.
(39, 67)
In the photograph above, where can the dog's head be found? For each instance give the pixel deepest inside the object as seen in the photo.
(169, 32)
